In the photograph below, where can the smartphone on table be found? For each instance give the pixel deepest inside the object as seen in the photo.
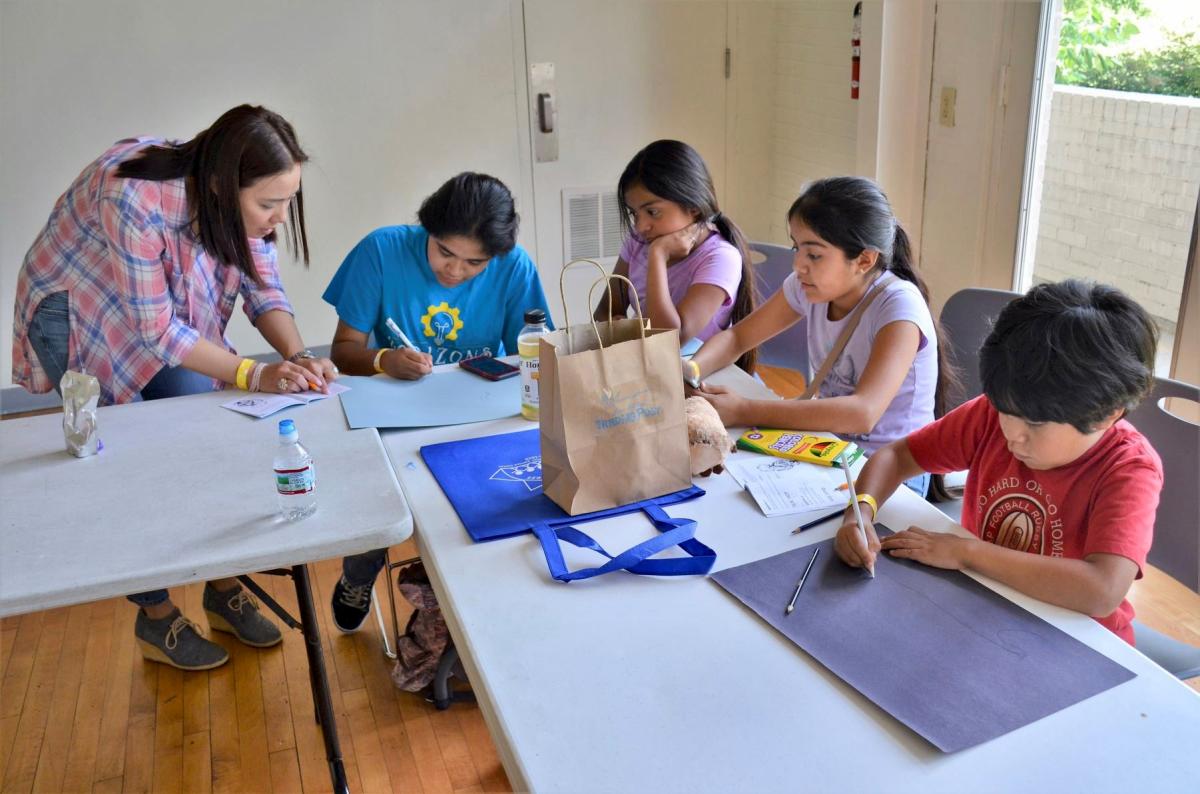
(489, 367)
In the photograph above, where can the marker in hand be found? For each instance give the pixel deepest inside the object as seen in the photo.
(857, 513)
(395, 329)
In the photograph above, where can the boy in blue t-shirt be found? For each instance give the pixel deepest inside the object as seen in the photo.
(457, 286)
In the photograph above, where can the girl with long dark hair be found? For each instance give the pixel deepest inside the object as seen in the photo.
(688, 261)
(133, 280)
(889, 379)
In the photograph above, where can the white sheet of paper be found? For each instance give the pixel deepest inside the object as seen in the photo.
(786, 487)
(261, 405)
(780, 498)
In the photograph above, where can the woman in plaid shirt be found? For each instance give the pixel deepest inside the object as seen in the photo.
(133, 280)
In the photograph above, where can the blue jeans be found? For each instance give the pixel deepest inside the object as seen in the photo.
(50, 336)
(361, 569)
(920, 484)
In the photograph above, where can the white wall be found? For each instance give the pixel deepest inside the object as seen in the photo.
(815, 121)
(750, 100)
(1119, 193)
(973, 175)
(907, 46)
(388, 98)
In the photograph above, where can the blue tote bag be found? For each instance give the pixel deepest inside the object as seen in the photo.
(495, 485)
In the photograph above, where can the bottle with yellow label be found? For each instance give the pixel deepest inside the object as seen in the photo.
(528, 341)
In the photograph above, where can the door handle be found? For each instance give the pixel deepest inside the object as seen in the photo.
(545, 105)
(543, 115)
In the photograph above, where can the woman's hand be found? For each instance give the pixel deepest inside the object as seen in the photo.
(848, 543)
(323, 369)
(404, 364)
(678, 244)
(284, 377)
(935, 549)
(728, 404)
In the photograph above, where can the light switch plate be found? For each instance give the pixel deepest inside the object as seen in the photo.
(946, 106)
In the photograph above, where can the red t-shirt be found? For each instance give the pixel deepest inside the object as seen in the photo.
(1102, 502)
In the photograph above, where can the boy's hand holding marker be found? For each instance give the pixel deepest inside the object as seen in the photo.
(865, 545)
(849, 544)
(403, 363)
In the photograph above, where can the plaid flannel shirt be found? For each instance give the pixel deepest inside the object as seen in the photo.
(141, 288)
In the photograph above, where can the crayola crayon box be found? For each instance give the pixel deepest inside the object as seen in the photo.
(793, 445)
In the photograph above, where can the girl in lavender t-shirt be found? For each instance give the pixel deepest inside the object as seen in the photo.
(886, 382)
(689, 264)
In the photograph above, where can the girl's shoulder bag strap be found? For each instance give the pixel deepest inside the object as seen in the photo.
(844, 338)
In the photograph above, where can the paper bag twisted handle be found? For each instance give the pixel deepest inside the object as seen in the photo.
(637, 306)
(605, 276)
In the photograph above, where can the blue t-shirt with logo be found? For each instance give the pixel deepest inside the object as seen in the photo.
(388, 275)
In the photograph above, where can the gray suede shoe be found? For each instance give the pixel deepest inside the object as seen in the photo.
(236, 612)
(177, 641)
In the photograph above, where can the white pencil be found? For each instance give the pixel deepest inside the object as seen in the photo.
(857, 513)
(395, 329)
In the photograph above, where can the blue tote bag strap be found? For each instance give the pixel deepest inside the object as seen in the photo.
(679, 532)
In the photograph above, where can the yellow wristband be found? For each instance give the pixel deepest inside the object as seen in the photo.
(379, 359)
(243, 371)
(866, 498)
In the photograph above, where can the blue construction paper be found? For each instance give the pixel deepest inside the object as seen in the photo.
(448, 397)
(495, 485)
(954, 661)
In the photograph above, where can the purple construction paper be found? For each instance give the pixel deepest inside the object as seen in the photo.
(954, 661)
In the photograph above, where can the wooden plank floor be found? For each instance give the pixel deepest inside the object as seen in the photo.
(81, 711)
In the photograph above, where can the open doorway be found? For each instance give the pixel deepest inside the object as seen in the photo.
(1113, 169)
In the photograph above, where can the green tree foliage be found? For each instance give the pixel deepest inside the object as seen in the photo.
(1089, 51)
(1173, 70)
(1089, 31)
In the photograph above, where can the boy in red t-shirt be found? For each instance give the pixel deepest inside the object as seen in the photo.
(1061, 491)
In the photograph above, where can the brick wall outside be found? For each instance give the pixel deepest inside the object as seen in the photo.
(1119, 193)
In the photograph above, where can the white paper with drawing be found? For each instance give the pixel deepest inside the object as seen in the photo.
(786, 487)
(261, 404)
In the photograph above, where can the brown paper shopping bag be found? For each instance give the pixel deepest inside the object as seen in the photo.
(613, 428)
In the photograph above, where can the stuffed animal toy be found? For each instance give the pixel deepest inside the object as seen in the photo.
(708, 442)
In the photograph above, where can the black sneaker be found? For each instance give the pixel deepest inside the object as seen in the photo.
(351, 603)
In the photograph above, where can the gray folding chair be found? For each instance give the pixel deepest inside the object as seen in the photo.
(790, 348)
(967, 319)
(1176, 549)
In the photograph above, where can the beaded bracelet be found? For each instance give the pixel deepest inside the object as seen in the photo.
(256, 376)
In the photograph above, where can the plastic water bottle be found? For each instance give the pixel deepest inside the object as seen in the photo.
(295, 475)
(527, 347)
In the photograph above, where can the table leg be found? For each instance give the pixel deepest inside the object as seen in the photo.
(318, 678)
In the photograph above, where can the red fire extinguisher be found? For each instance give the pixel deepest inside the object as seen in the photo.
(855, 50)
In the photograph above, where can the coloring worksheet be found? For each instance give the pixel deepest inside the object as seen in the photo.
(786, 487)
(259, 405)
